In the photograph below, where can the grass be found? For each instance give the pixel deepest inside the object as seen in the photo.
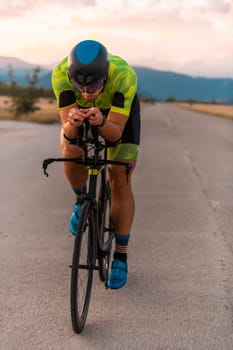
(208, 108)
(46, 114)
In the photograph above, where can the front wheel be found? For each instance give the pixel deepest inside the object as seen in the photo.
(83, 264)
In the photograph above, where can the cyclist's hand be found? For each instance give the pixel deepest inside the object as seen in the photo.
(94, 115)
(76, 117)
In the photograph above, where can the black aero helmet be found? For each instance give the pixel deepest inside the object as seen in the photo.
(88, 62)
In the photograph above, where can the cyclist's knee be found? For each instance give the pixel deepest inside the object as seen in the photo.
(118, 178)
(68, 150)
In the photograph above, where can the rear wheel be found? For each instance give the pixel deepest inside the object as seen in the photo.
(82, 267)
(106, 233)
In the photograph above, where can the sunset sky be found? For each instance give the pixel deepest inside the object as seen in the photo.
(188, 36)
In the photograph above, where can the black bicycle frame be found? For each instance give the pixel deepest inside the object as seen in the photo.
(89, 141)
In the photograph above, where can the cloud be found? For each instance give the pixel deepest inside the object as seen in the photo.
(174, 34)
(15, 8)
(220, 6)
(131, 9)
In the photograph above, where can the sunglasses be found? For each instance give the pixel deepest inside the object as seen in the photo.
(90, 88)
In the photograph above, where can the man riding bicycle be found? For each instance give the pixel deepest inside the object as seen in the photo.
(95, 85)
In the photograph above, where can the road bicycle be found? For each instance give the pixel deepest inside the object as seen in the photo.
(95, 232)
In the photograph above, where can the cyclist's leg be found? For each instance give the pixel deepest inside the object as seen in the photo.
(76, 175)
(122, 214)
(123, 205)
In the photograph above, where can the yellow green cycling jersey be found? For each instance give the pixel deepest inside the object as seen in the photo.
(117, 95)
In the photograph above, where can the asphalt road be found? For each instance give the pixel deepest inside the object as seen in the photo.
(180, 286)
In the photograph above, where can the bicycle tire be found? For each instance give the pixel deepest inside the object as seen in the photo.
(83, 264)
(106, 233)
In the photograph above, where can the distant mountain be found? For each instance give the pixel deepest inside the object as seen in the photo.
(152, 83)
(162, 85)
(20, 71)
(18, 64)
(14, 62)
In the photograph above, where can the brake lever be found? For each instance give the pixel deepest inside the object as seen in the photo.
(46, 163)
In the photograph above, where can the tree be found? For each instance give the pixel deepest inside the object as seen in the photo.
(24, 99)
(13, 85)
(170, 99)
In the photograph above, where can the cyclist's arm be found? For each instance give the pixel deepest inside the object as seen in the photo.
(121, 107)
(112, 129)
(114, 126)
(70, 126)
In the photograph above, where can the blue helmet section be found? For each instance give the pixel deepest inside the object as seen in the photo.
(87, 51)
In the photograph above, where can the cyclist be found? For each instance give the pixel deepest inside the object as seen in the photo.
(93, 84)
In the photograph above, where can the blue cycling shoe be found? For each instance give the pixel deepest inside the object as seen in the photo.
(74, 218)
(118, 275)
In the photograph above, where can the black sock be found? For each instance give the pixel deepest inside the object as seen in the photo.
(120, 256)
(121, 247)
